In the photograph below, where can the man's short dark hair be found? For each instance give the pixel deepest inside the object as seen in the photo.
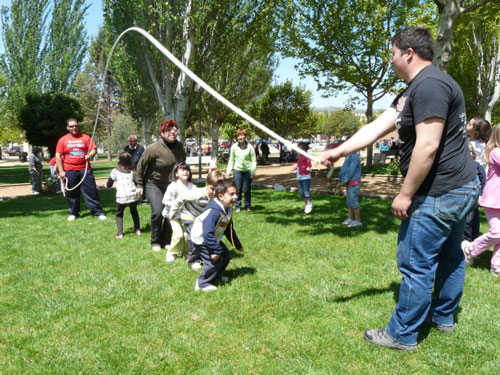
(417, 38)
(223, 185)
(71, 119)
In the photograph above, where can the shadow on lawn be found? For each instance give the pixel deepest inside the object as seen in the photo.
(393, 287)
(328, 213)
(239, 272)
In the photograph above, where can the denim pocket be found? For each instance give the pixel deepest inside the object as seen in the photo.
(451, 205)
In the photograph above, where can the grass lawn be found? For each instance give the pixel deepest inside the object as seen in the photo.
(20, 175)
(73, 300)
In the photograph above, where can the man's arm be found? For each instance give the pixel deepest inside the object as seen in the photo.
(364, 137)
(428, 138)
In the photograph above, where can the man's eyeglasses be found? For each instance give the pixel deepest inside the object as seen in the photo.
(72, 126)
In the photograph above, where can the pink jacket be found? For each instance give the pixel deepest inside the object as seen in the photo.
(303, 163)
(491, 197)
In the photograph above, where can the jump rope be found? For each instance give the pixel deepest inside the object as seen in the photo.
(200, 82)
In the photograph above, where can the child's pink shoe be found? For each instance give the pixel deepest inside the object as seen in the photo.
(119, 236)
(138, 232)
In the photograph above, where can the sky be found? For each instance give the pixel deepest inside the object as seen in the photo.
(285, 70)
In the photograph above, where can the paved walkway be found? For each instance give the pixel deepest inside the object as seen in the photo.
(380, 186)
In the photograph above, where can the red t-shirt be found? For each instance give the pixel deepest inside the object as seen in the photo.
(73, 151)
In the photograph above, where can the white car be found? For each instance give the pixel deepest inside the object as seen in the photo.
(317, 147)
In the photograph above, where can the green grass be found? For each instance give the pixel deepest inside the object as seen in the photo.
(73, 300)
(19, 174)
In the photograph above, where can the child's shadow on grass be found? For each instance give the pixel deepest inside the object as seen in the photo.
(239, 272)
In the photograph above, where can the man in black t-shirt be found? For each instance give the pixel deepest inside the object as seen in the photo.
(439, 190)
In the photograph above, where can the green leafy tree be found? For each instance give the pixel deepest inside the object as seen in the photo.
(124, 125)
(44, 116)
(345, 44)
(339, 123)
(476, 62)
(286, 110)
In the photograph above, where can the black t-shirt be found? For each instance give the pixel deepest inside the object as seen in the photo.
(433, 93)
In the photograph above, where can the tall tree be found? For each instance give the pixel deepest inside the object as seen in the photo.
(66, 45)
(345, 44)
(286, 110)
(339, 123)
(9, 129)
(190, 30)
(449, 13)
(476, 64)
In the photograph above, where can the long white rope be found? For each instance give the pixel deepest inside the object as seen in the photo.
(207, 88)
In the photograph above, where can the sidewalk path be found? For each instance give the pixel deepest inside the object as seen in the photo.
(380, 186)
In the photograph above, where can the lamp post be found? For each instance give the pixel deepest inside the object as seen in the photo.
(198, 89)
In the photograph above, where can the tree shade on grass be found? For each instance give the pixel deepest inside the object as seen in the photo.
(75, 300)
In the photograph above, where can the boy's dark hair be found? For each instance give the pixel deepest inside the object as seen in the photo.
(303, 146)
(222, 185)
(415, 37)
(482, 129)
(181, 165)
(124, 162)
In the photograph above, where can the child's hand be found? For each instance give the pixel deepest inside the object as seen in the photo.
(215, 257)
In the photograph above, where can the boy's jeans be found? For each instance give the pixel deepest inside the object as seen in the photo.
(429, 254)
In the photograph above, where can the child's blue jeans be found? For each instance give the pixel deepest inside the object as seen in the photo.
(305, 188)
(352, 195)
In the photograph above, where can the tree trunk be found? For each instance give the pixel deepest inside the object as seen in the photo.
(369, 118)
(495, 78)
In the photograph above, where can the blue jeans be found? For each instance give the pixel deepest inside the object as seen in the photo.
(88, 189)
(352, 196)
(305, 188)
(429, 254)
(243, 181)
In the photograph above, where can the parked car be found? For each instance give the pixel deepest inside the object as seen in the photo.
(317, 147)
(14, 151)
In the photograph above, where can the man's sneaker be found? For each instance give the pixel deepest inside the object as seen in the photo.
(440, 327)
(195, 266)
(308, 208)
(495, 272)
(347, 221)
(469, 260)
(207, 288)
(354, 223)
(381, 338)
(71, 218)
(224, 279)
(102, 217)
(155, 247)
(170, 258)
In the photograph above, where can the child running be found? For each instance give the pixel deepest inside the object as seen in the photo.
(180, 181)
(303, 168)
(207, 233)
(125, 192)
(350, 175)
(190, 204)
(491, 204)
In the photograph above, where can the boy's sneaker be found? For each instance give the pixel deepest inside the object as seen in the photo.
(381, 338)
(170, 258)
(71, 218)
(354, 223)
(308, 208)
(195, 266)
(495, 272)
(102, 217)
(469, 260)
(207, 288)
(347, 221)
(155, 247)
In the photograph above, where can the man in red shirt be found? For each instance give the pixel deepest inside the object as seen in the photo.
(73, 152)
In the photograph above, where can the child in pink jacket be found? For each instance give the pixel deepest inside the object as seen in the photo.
(303, 168)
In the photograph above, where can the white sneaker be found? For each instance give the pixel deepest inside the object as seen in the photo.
(469, 260)
(102, 217)
(170, 258)
(195, 266)
(36, 193)
(71, 218)
(155, 247)
(354, 223)
(208, 288)
(224, 279)
(347, 221)
(308, 208)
